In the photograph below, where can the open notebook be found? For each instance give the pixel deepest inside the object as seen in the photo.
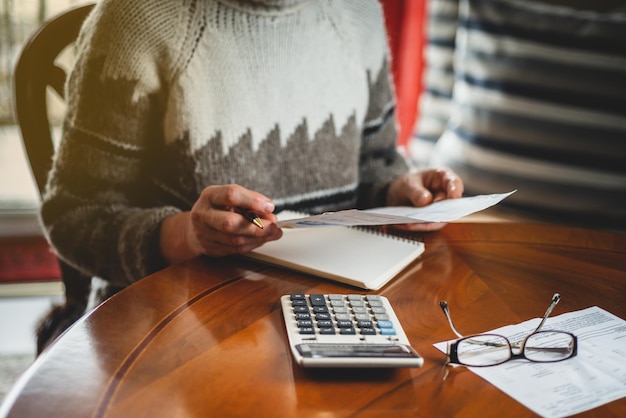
(355, 256)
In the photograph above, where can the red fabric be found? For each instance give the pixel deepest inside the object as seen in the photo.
(27, 259)
(405, 21)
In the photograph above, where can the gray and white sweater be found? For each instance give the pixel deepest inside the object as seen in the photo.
(289, 98)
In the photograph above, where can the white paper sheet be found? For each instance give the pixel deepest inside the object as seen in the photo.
(442, 211)
(597, 375)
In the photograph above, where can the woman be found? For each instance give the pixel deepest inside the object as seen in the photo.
(183, 114)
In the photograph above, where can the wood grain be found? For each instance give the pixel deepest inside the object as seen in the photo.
(206, 338)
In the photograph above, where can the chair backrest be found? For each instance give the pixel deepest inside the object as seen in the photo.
(36, 69)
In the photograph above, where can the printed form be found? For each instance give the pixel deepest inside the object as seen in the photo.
(597, 375)
(442, 211)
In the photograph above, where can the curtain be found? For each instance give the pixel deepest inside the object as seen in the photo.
(405, 21)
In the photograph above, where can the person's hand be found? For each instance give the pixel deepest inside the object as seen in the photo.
(217, 225)
(423, 188)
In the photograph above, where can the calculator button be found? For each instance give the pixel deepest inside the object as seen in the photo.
(368, 331)
(378, 310)
(322, 315)
(345, 324)
(357, 303)
(317, 300)
(324, 323)
(307, 330)
(375, 303)
(343, 316)
(305, 323)
(303, 315)
(381, 317)
(299, 302)
(327, 331)
(347, 331)
(359, 309)
(318, 309)
(364, 324)
(387, 331)
(298, 296)
(371, 298)
(335, 297)
(354, 297)
(385, 324)
(300, 309)
(340, 309)
(362, 317)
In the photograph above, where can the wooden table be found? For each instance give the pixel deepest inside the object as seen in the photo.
(206, 338)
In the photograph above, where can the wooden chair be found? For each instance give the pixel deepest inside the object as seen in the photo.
(36, 69)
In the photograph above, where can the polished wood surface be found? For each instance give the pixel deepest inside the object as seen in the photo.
(206, 338)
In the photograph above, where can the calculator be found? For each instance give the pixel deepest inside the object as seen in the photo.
(337, 330)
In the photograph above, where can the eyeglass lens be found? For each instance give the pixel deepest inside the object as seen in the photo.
(483, 350)
(547, 346)
(492, 349)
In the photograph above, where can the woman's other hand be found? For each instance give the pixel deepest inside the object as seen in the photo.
(423, 188)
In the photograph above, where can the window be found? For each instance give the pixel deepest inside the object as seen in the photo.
(19, 198)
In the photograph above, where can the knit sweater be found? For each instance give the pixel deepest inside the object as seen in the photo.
(290, 98)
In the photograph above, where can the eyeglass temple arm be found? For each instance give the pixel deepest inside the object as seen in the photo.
(555, 299)
(444, 307)
(446, 311)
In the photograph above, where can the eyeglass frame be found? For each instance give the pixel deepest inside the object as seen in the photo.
(452, 351)
(453, 356)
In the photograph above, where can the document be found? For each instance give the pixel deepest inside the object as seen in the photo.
(442, 211)
(597, 375)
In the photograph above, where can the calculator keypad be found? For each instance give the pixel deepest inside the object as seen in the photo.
(332, 330)
(341, 314)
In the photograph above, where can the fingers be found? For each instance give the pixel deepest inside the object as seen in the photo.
(220, 223)
(423, 188)
(234, 196)
(444, 184)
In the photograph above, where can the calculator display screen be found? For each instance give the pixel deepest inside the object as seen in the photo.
(355, 350)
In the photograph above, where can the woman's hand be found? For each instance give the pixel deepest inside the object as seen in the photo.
(216, 227)
(423, 188)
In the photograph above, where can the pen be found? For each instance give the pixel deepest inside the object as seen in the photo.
(254, 218)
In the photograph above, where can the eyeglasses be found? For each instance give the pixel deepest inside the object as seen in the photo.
(491, 349)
